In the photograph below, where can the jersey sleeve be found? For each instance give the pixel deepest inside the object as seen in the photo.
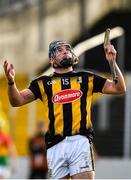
(98, 83)
(35, 89)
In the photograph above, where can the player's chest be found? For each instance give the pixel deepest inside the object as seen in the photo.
(65, 90)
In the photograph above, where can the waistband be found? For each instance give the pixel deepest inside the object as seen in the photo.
(74, 137)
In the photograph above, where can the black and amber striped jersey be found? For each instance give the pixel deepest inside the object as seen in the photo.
(67, 102)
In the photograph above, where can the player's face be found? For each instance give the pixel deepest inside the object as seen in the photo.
(62, 52)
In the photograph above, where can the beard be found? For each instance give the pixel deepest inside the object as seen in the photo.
(64, 63)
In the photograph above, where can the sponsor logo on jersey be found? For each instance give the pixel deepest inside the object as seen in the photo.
(51, 82)
(66, 96)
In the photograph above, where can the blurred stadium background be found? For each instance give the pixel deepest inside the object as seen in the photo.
(26, 29)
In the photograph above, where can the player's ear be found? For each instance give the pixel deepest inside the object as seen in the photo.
(51, 61)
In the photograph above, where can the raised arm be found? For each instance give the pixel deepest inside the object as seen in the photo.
(16, 97)
(110, 86)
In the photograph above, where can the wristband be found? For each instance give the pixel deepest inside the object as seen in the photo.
(11, 83)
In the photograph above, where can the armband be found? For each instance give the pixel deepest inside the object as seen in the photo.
(11, 83)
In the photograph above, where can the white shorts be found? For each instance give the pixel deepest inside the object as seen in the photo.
(71, 156)
(5, 172)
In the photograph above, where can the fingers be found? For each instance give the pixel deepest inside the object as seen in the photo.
(9, 70)
(5, 64)
(110, 52)
(6, 67)
(12, 67)
(110, 49)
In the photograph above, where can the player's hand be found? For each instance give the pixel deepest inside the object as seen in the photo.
(110, 53)
(9, 71)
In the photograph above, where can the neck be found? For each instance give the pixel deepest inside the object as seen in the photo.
(63, 70)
